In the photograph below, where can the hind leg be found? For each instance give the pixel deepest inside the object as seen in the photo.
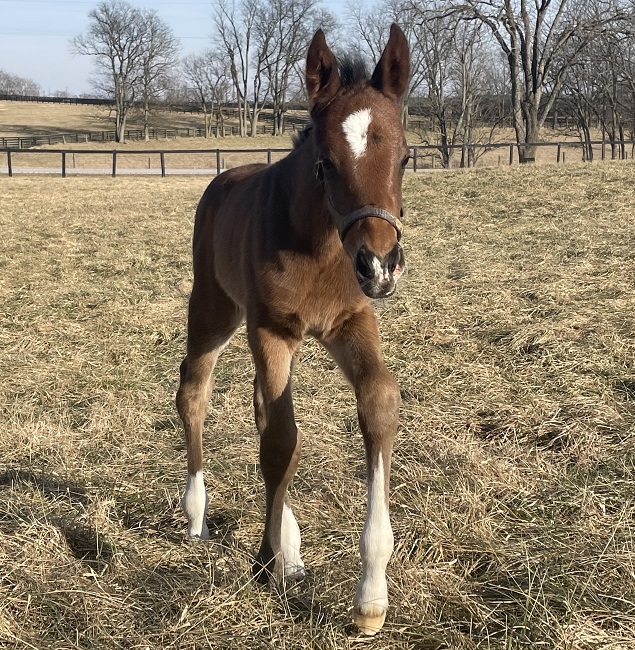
(212, 320)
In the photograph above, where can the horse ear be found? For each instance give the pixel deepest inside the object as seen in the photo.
(322, 75)
(392, 73)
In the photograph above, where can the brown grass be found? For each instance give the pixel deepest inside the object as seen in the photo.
(512, 337)
(28, 118)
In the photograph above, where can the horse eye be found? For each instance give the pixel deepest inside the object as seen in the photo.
(327, 165)
(323, 168)
(405, 160)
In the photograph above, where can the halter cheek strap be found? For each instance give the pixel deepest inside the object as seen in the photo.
(345, 221)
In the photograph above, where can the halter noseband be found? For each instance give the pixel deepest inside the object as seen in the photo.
(345, 221)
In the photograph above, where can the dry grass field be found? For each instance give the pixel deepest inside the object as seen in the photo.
(513, 502)
(29, 118)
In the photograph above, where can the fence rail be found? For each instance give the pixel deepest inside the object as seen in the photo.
(27, 142)
(22, 142)
(418, 158)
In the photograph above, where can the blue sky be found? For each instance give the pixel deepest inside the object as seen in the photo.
(35, 35)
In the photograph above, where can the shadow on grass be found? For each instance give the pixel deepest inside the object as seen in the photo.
(83, 540)
(52, 488)
(87, 545)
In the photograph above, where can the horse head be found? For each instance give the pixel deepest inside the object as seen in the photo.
(362, 155)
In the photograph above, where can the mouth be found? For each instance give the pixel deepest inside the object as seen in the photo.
(376, 290)
(377, 277)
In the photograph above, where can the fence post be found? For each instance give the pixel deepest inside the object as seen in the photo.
(511, 154)
(414, 159)
(9, 165)
(114, 163)
(603, 147)
(217, 162)
(63, 164)
(162, 156)
(559, 152)
(268, 156)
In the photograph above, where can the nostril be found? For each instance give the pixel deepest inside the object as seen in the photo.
(395, 258)
(363, 265)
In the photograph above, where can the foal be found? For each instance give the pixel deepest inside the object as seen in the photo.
(297, 248)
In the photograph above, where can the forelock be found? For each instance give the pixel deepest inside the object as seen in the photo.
(353, 71)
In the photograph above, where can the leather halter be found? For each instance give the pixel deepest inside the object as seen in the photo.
(345, 221)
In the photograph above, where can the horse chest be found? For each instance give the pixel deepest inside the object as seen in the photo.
(311, 297)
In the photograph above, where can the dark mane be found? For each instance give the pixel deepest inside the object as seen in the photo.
(353, 70)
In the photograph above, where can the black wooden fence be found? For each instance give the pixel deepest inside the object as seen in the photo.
(26, 142)
(422, 156)
(21, 142)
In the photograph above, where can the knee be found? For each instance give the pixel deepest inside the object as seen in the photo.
(187, 404)
(378, 402)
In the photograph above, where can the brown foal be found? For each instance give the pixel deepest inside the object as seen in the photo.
(297, 248)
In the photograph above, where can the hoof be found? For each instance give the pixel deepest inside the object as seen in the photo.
(293, 573)
(369, 625)
(262, 571)
(198, 533)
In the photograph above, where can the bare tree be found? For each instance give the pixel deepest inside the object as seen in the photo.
(210, 84)
(158, 58)
(533, 37)
(293, 22)
(467, 85)
(12, 84)
(130, 48)
(369, 30)
(600, 85)
(450, 65)
(245, 33)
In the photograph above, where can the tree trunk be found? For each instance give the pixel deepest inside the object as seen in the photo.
(405, 115)
(120, 131)
(622, 143)
(253, 118)
(446, 152)
(146, 114)
(527, 150)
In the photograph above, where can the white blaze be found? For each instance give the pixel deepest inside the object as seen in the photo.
(355, 128)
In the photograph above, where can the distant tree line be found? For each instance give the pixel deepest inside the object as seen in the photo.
(475, 64)
(12, 84)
